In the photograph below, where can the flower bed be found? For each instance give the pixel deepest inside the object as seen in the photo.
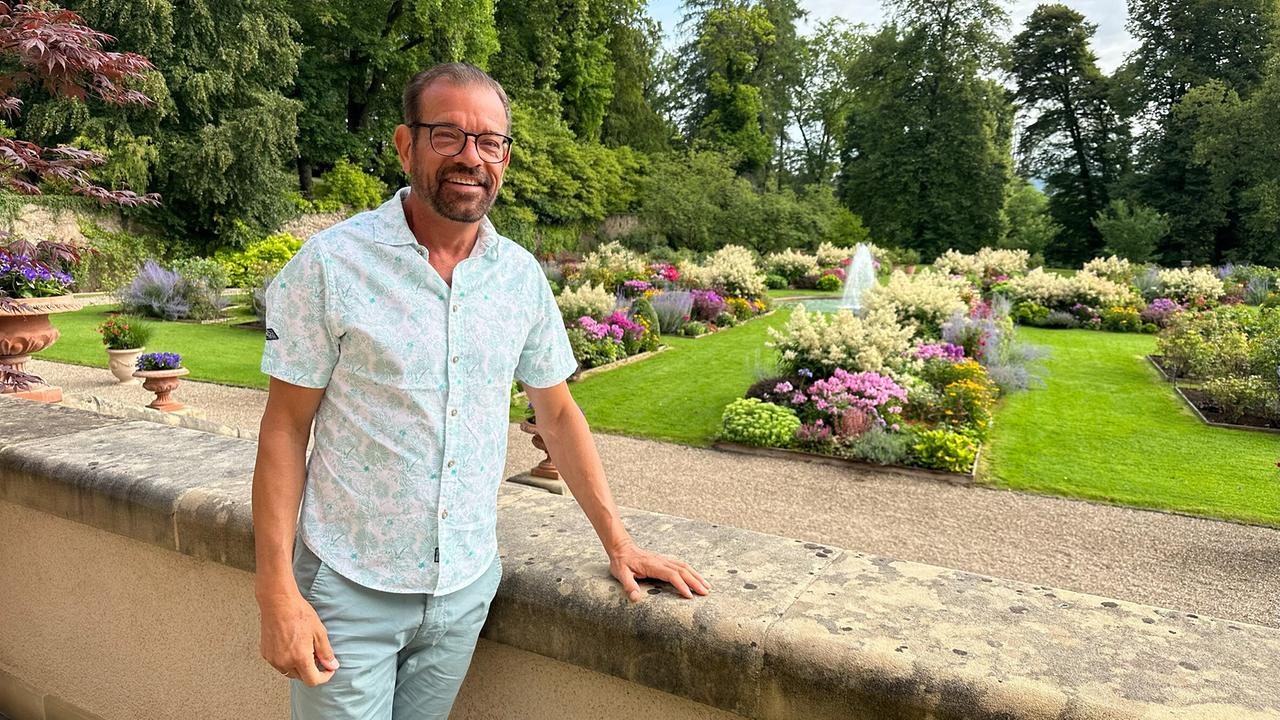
(912, 383)
(1232, 354)
(617, 304)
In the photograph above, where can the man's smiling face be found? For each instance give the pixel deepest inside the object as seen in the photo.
(461, 188)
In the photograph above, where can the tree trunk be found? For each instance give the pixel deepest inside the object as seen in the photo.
(304, 177)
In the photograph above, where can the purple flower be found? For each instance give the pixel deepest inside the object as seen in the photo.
(943, 351)
(805, 373)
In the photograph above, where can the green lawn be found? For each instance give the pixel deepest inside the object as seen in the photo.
(1107, 428)
(216, 353)
(792, 292)
(680, 394)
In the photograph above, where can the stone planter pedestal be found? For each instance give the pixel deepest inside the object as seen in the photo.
(162, 383)
(25, 330)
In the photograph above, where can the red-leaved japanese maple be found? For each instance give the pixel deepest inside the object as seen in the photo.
(53, 46)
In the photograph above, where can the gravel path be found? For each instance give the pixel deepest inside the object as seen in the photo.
(1191, 564)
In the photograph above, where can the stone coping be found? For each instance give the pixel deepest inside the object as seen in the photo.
(793, 629)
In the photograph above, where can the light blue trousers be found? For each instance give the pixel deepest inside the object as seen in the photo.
(401, 656)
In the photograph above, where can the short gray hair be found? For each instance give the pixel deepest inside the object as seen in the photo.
(457, 74)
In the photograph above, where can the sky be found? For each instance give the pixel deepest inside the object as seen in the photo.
(1111, 43)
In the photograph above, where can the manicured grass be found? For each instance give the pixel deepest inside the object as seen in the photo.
(215, 353)
(680, 394)
(1107, 428)
(791, 292)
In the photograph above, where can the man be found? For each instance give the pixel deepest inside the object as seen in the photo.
(399, 332)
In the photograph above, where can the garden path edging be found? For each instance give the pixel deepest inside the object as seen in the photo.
(969, 478)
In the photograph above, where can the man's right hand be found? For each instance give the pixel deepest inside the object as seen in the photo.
(294, 640)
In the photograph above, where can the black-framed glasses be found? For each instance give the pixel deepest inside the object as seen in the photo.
(450, 140)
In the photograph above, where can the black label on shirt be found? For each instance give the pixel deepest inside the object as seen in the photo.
(271, 334)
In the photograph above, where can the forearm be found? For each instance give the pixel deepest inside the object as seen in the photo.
(278, 479)
(571, 447)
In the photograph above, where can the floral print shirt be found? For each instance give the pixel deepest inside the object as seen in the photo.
(411, 435)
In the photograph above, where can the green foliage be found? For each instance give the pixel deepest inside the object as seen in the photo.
(1122, 319)
(922, 95)
(750, 421)
(642, 308)
(693, 328)
(775, 282)
(883, 447)
(829, 283)
(203, 280)
(1029, 313)
(221, 125)
(246, 268)
(124, 332)
(1074, 140)
(594, 353)
(946, 450)
(113, 258)
(1132, 233)
(347, 185)
(1237, 397)
(1029, 226)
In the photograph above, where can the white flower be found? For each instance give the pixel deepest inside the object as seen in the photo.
(985, 262)
(590, 300)
(791, 264)
(1115, 269)
(733, 269)
(1183, 284)
(611, 261)
(926, 299)
(830, 255)
(824, 342)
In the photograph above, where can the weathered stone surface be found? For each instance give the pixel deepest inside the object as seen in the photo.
(18, 700)
(792, 629)
(877, 638)
(128, 478)
(26, 422)
(559, 599)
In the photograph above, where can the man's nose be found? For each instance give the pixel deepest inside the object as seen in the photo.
(470, 152)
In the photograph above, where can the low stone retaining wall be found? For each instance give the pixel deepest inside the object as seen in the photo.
(125, 592)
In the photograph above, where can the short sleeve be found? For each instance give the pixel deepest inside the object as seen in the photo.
(547, 358)
(301, 347)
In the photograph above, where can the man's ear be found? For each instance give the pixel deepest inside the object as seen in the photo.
(404, 146)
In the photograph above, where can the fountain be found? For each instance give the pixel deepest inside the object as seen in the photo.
(862, 277)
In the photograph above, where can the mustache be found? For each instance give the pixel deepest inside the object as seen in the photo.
(462, 171)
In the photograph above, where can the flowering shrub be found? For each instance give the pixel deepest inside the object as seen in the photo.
(740, 307)
(264, 257)
(610, 265)
(924, 299)
(967, 404)
(1113, 268)
(121, 332)
(590, 300)
(693, 328)
(592, 350)
(159, 361)
(732, 269)
(707, 304)
(155, 292)
(1123, 319)
(1188, 284)
(791, 264)
(1030, 313)
(946, 450)
(1160, 312)
(829, 254)
(933, 351)
(874, 395)
(635, 288)
(750, 421)
(824, 342)
(1236, 397)
(1058, 293)
(985, 264)
(663, 273)
(1091, 289)
(838, 273)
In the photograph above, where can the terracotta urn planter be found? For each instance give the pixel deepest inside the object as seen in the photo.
(123, 363)
(546, 468)
(162, 383)
(24, 330)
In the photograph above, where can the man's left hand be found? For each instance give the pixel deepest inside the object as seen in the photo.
(630, 562)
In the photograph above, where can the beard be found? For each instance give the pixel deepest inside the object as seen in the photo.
(452, 204)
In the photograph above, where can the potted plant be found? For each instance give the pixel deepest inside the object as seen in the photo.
(160, 373)
(125, 338)
(35, 283)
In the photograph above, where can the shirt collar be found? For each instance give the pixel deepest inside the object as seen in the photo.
(395, 229)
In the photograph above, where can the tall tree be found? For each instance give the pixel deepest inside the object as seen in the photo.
(221, 127)
(1184, 44)
(722, 67)
(632, 117)
(1072, 139)
(926, 158)
(778, 77)
(359, 55)
(824, 97)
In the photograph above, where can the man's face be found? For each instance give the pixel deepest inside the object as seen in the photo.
(461, 188)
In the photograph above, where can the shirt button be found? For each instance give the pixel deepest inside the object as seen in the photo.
(444, 514)
(452, 463)
(453, 411)
(455, 359)
(455, 308)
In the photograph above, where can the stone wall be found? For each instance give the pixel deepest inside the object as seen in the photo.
(127, 547)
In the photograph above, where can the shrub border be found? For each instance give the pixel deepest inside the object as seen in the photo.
(966, 479)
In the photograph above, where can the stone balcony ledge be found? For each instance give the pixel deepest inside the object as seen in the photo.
(793, 629)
